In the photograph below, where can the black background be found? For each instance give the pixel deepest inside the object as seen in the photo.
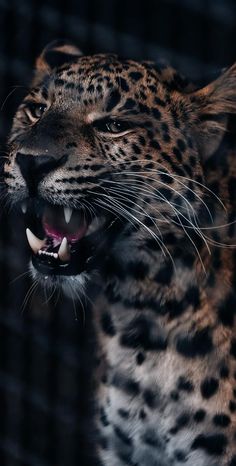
(45, 350)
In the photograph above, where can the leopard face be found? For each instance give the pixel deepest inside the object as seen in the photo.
(108, 152)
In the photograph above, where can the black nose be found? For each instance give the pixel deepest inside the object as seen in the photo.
(35, 167)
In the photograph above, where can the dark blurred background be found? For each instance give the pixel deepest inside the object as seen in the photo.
(46, 348)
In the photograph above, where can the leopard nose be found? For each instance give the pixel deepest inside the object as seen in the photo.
(35, 167)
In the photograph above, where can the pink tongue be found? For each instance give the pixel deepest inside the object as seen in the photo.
(55, 226)
(59, 235)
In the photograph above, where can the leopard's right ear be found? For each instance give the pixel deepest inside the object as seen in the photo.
(212, 106)
(55, 54)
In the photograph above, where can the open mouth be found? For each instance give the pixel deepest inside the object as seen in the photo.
(71, 239)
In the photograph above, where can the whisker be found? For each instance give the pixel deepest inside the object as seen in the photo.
(19, 277)
(183, 197)
(29, 295)
(178, 214)
(127, 215)
(114, 191)
(73, 291)
(169, 187)
(9, 95)
(165, 171)
(48, 298)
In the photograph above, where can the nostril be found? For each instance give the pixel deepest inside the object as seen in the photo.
(36, 166)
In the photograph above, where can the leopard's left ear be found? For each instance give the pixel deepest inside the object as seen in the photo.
(214, 103)
(56, 54)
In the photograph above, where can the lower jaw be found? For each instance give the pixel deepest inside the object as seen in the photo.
(86, 257)
(71, 278)
(78, 263)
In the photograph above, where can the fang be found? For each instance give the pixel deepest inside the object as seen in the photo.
(24, 207)
(35, 243)
(67, 214)
(64, 251)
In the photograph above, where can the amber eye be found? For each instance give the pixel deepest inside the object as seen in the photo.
(35, 110)
(112, 126)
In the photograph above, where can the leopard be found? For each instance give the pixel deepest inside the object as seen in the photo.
(131, 171)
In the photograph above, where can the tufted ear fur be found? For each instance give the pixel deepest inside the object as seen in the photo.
(56, 54)
(215, 102)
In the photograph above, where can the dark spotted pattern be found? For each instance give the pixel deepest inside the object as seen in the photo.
(221, 420)
(213, 444)
(141, 334)
(199, 415)
(200, 344)
(138, 141)
(209, 387)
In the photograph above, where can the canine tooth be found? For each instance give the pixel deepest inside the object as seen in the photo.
(35, 243)
(67, 214)
(24, 207)
(64, 251)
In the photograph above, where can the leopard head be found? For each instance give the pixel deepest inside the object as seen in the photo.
(109, 153)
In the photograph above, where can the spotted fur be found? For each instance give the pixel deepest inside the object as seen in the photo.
(165, 309)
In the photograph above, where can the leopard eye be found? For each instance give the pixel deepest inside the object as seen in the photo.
(112, 126)
(35, 110)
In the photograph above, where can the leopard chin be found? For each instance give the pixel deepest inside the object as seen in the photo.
(72, 286)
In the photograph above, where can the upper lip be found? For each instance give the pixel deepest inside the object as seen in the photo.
(67, 210)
